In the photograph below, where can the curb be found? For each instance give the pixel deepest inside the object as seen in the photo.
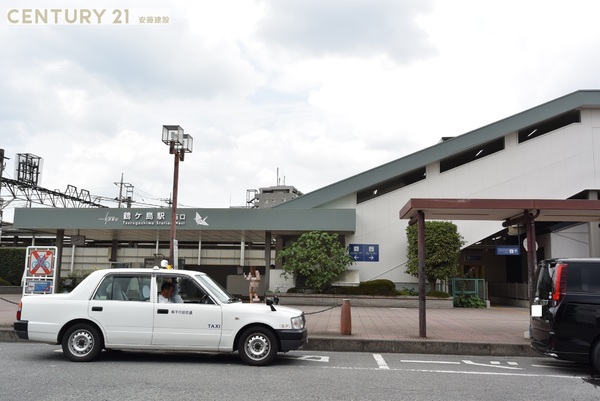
(417, 347)
(336, 344)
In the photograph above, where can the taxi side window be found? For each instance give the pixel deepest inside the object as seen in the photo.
(124, 288)
(189, 291)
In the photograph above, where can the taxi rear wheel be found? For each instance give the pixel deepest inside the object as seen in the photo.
(257, 346)
(82, 343)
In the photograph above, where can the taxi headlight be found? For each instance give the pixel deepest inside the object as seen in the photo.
(297, 323)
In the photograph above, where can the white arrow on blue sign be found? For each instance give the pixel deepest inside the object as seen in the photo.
(364, 252)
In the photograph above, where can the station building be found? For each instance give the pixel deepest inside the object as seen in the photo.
(546, 152)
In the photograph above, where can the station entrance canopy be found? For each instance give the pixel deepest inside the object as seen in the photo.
(207, 225)
(510, 211)
(570, 210)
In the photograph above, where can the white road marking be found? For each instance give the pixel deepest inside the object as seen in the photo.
(380, 361)
(438, 362)
(513, 363)
(463, 372)
(491, 366)
(312, 358)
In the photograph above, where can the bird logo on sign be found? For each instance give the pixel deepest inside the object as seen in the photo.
(200, 221)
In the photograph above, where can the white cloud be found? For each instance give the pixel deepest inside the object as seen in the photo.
(319, 90)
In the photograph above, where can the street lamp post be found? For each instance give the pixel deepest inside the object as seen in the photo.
(179, 144)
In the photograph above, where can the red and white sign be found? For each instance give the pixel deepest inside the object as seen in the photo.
(41, 263)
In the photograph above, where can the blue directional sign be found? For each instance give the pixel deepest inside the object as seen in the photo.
(508, 250)
(364, 252)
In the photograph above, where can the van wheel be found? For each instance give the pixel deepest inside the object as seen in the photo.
(595, 356)
(257, 346)
(82, 343)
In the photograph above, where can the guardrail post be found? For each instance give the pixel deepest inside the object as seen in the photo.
(346, 318)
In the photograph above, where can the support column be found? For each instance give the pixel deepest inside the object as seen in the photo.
(268, 239)
(60, 238)
(593, 231)
(199, 251)
(531, 254)
(114, 249)
(242, 253)
(421, 261)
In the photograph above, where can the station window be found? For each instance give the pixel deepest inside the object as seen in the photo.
(560, 121)
(390, 185)
(471, 154)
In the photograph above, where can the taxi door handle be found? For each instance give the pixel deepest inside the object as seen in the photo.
(96, 309)
(162, 311)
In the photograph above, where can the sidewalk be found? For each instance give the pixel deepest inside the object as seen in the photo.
(498, 331)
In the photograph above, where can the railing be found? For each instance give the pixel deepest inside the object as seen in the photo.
(509, 290)
(469, 286)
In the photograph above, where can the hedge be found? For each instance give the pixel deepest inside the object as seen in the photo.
(12, 264)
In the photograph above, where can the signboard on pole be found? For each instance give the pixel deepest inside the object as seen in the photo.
(40, 270)
(364, 252)
(508, 250)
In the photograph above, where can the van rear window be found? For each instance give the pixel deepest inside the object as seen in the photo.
(583, 279)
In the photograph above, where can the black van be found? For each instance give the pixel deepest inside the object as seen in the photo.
(565, 315)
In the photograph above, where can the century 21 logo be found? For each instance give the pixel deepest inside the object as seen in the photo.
(66, 16)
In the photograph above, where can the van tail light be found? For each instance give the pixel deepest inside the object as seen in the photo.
(560, 283)
(19, 309)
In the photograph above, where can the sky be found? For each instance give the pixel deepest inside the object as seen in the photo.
(296, 92)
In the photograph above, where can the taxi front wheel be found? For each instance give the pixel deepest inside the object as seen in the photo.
(257, 346)
(81, 343)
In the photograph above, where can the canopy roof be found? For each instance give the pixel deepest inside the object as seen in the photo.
(569, 210)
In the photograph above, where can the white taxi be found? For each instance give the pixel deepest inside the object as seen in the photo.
(120, 309)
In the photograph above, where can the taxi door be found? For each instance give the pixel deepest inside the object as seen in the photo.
(122, 310)
(189, 320)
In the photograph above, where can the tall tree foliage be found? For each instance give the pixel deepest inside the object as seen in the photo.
(317, 255)
(442, 250)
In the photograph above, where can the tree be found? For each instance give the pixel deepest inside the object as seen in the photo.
(442, 249)
(317, 255)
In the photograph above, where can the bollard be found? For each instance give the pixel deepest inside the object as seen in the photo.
(346, 319)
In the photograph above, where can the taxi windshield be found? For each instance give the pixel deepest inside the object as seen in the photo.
(216, 289)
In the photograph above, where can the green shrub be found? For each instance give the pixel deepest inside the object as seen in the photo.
(438, 294)
(12, 264)
(381, 287)
(408, 292)
(378, 287)
(468, 301)
(373, 287)
(3, 282)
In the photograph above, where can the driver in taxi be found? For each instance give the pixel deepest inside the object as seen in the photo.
(167, 295)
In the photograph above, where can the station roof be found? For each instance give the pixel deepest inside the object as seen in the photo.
(367, 179)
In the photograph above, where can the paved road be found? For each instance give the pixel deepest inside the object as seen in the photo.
(41, 372)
